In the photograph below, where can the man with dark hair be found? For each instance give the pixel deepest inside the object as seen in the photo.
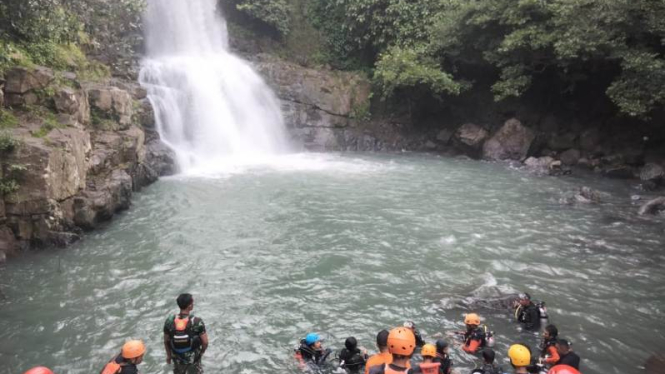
(567, 356)
(549, 354)
(383, 356)
(351, 357)
(527, 313)
(185, 338)
(489, 366)
(443, 357)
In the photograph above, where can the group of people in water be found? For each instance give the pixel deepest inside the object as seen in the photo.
(398, 347)
(186, 341)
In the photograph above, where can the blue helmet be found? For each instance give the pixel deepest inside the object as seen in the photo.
(312, 338)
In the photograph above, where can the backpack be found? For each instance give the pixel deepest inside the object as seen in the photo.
(182, 336)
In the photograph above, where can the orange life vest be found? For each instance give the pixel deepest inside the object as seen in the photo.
(112, 367)
(430, 367)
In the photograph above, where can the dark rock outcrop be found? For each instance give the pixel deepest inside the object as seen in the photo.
(653, 206)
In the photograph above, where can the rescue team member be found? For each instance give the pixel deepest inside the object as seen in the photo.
(442, 357)
(474, 337)
(567, 356)
(311, 350)
(401, 344)
(39, 370)
(351, 357)
(428, 366)
(185, 338)
(126, 362)
(527, 313)
(412, 326)
(489, 366)
(383, 357)
(563, 369)
(520, 358)
(549, 355)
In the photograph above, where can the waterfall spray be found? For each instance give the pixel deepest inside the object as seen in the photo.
(210, 106)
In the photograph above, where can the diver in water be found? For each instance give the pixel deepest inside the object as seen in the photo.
(311, 351)
(527, 313)
(352, 359)
(475, 336)
(401, 344)
(549, 355)
(442, 357)
(428, 365)
(567, 356)
(412, 326)
(489, 366)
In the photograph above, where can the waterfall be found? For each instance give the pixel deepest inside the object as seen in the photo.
(210, 106)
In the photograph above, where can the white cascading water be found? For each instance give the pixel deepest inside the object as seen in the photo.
(210, 107)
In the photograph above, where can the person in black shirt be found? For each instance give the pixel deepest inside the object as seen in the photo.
(351, 358)
(412, 326)
(527, 313)
(567, 356)
(442, 357)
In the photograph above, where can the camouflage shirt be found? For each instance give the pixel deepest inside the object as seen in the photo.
(198, 329)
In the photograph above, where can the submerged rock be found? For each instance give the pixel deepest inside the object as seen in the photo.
(653, 207)
(620, 172)
(585, 195)
(511, 142)
(652, 172)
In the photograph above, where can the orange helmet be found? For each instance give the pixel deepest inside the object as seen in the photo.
(401, 341)
(472, 319)
(133, 349)
(429, 350)
(39, 370)
(563, 369)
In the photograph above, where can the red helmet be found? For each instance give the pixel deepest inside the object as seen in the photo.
(39, 370)
(563, 369)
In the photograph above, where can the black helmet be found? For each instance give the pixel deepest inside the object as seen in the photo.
(441, 345)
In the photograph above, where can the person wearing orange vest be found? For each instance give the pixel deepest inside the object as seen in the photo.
(549, 354)
(563, 369)
(185, 338)
(383, 357)
(474, 337)
(401, 344)
(428, 366)
(39, 370)
(128, 359)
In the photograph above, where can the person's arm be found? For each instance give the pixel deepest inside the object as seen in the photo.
(472, 346)
(554, 356)
(204, 343)
(167, 347)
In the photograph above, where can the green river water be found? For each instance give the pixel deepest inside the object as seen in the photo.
(343, 245)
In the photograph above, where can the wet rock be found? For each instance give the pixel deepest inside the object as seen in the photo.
(539, 165)
(619, 172)
(511, 142)
(8, 244)
(160, 158)
(146, 114)
(74, 103)
(590, 139)
(585, 195)
(571, 157)
(23, 80)
(471, 135)
(430, 145)
(444, 136)
(653, 206)
(652, 172)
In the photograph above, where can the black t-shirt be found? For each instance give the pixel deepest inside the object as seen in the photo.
(126, 367)
(353, 360)
(530, 317)
(446, 364)
(570, 359)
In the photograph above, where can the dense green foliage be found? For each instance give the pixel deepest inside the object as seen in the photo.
(53, 32)
(443, 45)
(274, 13)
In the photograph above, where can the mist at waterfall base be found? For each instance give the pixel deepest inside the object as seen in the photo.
(211, 108)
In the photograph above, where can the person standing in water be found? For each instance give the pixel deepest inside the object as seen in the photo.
(474, 336)
(567, 356)
(549, 355)
(384, 356)
(128, 359)
(520, 358)
(401, 344)
(428, 366)
(527, 313)
(352, 359)
(185, 338)
(442, 357)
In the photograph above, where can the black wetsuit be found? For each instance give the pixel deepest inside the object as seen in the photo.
(419, 339)
(354, 361)
(491, 369)
(571, 359)
(446, 363)
(309, 354)
(529, 316)
(381, 369)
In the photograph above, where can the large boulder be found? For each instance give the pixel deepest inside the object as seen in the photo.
(8, 244)
(160, 158)
(652, 172)
(590, 139)
(113, 104)
(23, 80)
(73, 103)
(539, 165)
(511, 142)
(653, 206)
(571, 157)
(471, 135)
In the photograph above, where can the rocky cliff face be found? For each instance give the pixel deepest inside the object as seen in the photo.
(74, 153)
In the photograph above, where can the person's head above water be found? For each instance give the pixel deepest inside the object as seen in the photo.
(551, 332)
(525, 298)
(441, 347)
(563, 346)
(185, 301)
(351, 344)
(313, 340)
(382, 340)
(488, 355)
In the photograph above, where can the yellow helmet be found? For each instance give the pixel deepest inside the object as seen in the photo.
(519, 355)
(133, 349)
(429, 350)
(472, 319)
